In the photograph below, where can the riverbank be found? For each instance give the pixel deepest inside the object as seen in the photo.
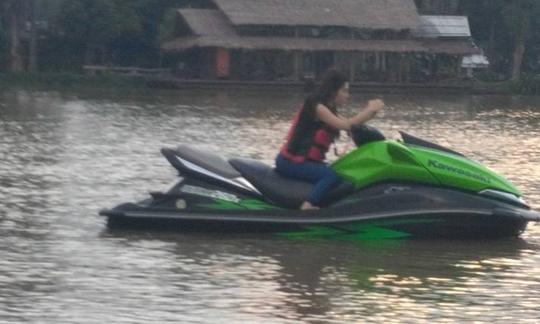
(55, 80)
(461, 87)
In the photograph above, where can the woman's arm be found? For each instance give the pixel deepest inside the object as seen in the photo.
(325, 115)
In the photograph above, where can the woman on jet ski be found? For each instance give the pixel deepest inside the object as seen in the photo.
(314, 128)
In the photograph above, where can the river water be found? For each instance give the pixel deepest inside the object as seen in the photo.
(66, 154)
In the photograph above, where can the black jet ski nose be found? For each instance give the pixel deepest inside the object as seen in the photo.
(363, 134)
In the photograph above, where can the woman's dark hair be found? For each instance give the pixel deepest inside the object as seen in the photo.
(326, 91)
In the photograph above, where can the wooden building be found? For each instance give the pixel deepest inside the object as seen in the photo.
(373, 40)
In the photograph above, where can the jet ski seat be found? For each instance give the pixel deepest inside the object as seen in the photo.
(191, 160)
(208, 166)
(283, 191)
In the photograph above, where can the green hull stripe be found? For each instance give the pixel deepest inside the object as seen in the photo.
(365, 232)
(372, 230)
(250, 204)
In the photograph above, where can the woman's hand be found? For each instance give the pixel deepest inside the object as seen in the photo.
(340, 151)
(324, 114)
(374, 106)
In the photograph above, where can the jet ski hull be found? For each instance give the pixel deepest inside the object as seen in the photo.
(385, 210)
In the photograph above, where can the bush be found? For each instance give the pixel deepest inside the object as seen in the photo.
(528, 84)
(489, 76)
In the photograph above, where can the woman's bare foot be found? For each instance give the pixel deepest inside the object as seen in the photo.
(306, 205)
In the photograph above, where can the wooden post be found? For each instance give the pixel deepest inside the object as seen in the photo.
(398, 67)
(408, 68)
(458, 65)
(297, 57)
(363, 61)
(352, 66)
(223, 62)
(352, 60)
(436, 68)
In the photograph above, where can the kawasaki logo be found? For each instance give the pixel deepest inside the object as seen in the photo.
(465, 173)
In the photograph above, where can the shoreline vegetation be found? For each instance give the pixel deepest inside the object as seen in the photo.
(140, 43)
(57, 80)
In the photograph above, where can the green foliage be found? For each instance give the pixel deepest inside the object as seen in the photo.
(98, 22)
(499, 26)
(118, 32)
(167, 26)
(129, 32)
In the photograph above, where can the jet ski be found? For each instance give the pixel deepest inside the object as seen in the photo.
(406, 188)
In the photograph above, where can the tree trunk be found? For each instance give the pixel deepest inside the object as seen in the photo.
(15, 58)
(517, 58)
(519, 48)
(492, 33)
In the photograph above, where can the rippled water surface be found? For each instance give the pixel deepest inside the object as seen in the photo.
(66, 154)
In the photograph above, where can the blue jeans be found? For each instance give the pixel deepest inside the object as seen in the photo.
(317, 173)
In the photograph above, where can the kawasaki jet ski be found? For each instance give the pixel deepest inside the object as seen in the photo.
(390, 189)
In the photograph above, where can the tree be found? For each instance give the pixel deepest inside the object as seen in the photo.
(519, 16)
(507, 30)
(71, 33)
(18, 29)
(12, 13)
(94, 24)
(132, 29)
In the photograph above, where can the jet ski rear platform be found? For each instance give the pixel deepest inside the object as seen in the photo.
(214, 194)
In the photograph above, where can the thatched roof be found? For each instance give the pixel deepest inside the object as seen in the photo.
(211, 28)
(207, 22)
(370, 14)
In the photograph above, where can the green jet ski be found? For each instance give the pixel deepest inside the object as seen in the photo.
(390, 188)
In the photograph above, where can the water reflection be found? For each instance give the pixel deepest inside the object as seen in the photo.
(67, 154)
(328, 280)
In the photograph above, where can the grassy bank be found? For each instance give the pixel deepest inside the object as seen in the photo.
(69, 80)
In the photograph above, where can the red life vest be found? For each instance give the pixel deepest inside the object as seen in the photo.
(308, 138)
